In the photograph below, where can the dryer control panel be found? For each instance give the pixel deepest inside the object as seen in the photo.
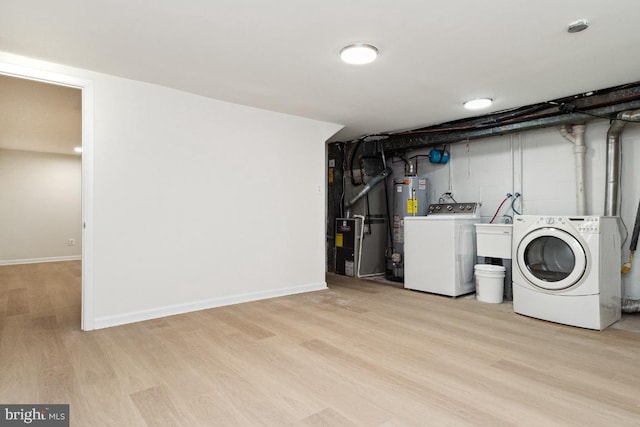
(588, 225)
(584, 224)
(551, 220)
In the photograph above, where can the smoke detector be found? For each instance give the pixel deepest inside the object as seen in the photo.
(577, 26)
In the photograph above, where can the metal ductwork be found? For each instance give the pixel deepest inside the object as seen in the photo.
(611, 197)
(630, 305)
(374, 181)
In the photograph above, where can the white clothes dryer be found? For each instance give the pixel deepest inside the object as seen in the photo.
(567, 269)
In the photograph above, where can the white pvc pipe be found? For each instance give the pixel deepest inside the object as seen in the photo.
(580, 150)
(576, 137)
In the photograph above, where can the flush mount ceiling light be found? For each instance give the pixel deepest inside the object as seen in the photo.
(77, 149)
(476, 104)
(576, 27)
(359, 53)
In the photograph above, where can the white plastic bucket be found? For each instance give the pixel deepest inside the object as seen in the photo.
(489, 283)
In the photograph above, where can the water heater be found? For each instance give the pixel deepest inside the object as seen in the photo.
(410, 198)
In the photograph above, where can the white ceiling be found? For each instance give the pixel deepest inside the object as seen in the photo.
(282, 55)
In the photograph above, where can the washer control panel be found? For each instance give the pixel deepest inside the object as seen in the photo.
(452, 208)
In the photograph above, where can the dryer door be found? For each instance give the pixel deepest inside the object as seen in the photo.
(551, 259)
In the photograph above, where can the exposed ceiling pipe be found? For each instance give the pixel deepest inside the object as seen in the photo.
(611, 198)
(575, 134)
(604, 103)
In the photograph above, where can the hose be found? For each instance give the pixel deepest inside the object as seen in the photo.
(513, 202)
(500, 207)
(633, 245)
(636, 231)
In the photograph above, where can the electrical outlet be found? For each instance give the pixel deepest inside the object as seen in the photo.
(71, 242)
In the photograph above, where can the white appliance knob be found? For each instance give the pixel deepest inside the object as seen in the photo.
(449, 207)
(549, 221)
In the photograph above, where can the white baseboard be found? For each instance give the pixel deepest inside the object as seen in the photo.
(39, 260)
(170, 310)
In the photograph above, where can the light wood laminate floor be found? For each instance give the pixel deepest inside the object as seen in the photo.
(358, 354)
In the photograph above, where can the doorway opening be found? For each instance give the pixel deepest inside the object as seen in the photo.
(81, 90)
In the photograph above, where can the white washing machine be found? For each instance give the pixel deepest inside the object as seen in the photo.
(440, 249)
(567, 269)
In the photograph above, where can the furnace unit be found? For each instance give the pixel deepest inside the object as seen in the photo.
(360, 246)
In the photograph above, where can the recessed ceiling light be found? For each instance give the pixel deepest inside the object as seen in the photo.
(77, 149)
(476, 104)
(359, 53)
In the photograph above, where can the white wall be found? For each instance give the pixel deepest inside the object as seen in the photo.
(199, 202)
(539, 164)
(40, 200)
